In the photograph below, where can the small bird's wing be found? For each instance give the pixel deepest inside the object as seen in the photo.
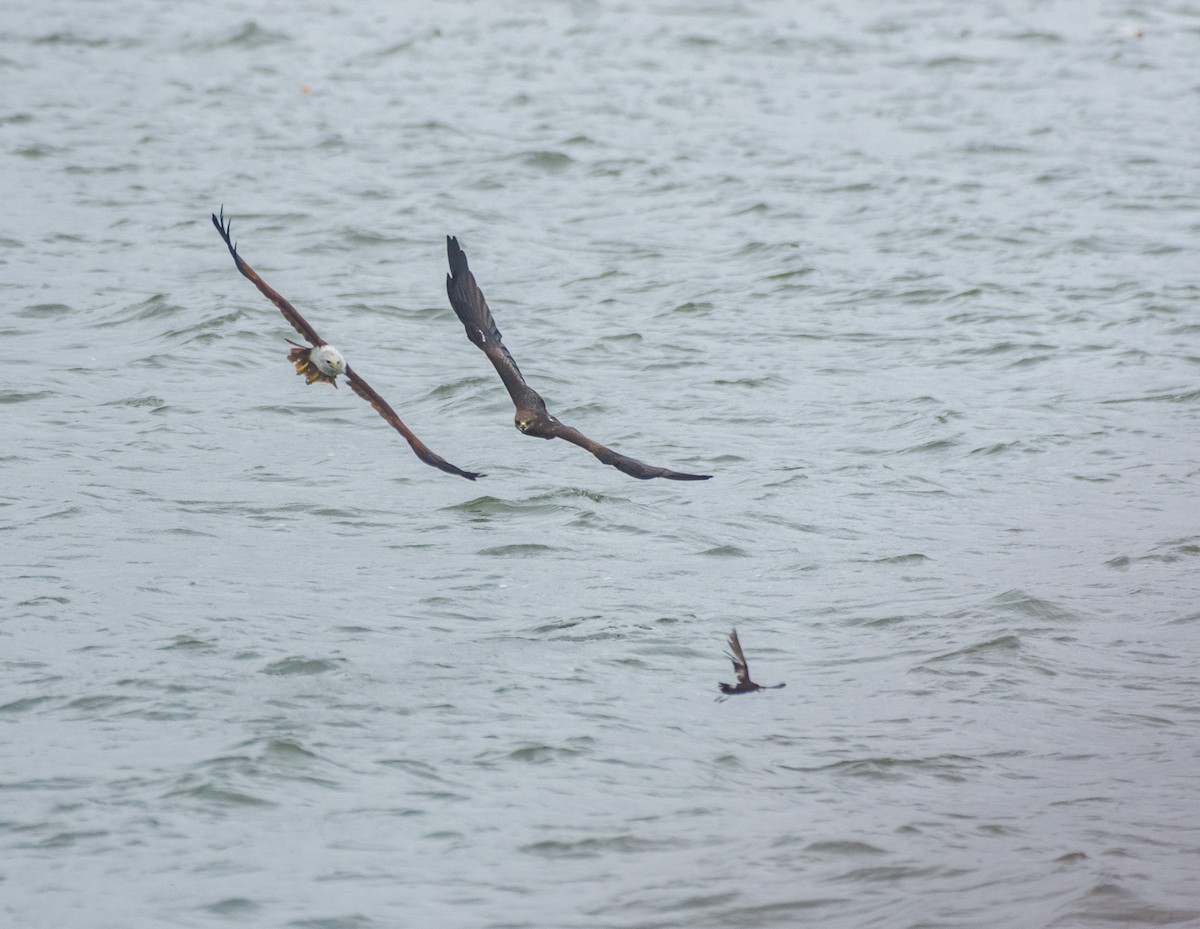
(290, 313)
(739, 660)
(630, 466)
(367, 392)
(472, 310)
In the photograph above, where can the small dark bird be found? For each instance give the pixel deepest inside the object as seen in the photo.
(322, 362)
(744, 684)
(532, 418)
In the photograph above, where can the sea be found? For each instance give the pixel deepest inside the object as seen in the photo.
(915, 281)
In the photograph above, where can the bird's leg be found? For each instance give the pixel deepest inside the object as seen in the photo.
(301, 357)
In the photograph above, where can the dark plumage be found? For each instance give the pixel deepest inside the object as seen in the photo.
(532, 418)
(740, 668)
(327, 364)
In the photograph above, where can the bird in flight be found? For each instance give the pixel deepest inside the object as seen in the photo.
(532, 417)
(744, 684)
(321, 362)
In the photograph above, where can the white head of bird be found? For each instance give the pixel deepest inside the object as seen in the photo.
(328, 360)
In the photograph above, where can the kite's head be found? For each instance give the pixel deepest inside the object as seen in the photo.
(530, 425)
(329, 360)
(535, 423)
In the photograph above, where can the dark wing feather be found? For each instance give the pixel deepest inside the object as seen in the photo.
(472, 310)
(290, 313)
(630, 466)
(738, 658)
(367, 392)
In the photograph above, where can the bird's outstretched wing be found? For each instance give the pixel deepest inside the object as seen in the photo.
(738, 658)
(472, 310)
(367, 392)
(290, 313)
(630, 466)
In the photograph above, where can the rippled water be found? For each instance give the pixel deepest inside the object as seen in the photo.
(917, 284)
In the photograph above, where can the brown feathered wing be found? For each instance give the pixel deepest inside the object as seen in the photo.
(738, 658)
(290, 313)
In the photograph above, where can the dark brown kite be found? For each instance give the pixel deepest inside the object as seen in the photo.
(744, 684)
(320, 361)
(532, 418)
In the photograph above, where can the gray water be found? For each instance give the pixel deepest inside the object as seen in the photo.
(915, 282)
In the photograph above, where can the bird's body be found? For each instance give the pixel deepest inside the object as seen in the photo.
(317, 363)
(532, 418)
(744, 685)
(320, 362)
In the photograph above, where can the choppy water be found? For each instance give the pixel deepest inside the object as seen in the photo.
(917, 283)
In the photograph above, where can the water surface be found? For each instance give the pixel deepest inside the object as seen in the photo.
(916, 284)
